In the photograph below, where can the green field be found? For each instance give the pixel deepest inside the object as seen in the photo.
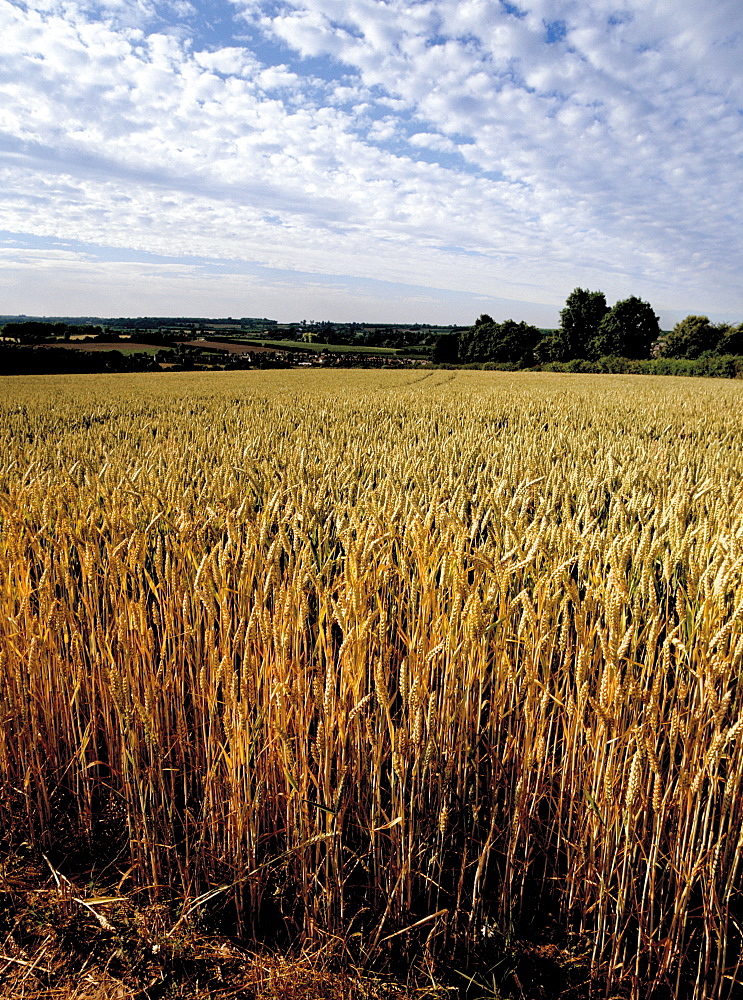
(316, 347)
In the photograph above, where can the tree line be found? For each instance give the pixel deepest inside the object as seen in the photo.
(36, 332)
(589, 331)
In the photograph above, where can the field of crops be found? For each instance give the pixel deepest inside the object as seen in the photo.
(398, 663)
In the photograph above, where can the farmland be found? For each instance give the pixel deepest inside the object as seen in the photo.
(401, 665)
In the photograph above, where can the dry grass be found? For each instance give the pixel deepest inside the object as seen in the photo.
(392, 664)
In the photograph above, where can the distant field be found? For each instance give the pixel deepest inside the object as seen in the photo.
(407, 665)
(239, 345)
(316, 347)
(125, 346)
(230, 348)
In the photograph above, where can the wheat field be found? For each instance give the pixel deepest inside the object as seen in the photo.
(393, 662)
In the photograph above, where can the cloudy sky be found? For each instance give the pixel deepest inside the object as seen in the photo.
(374, 160)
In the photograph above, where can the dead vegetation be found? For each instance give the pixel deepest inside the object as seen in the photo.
(62, 941)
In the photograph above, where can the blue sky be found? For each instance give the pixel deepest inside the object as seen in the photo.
(367, 160)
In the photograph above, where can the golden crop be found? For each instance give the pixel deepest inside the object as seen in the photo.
(397, 659)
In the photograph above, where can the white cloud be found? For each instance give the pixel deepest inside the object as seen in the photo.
(432, 140)
(53, 282)
(610, 157)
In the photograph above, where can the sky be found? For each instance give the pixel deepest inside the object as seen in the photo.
(370, 160)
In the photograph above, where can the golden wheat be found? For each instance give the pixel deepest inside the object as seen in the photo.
(389, 657)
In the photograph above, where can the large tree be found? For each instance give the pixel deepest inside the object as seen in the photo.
(627, 330)
(579, 323)
(509, 342)
(446, 349)
(691, 337)
(547, 349)
(731, 340)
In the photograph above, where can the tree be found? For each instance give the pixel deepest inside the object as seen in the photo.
(627, 330)
(509, 342)
(446, 349)
(547, 349)
(731, 340)
(579, 323)
(691, 337)
(33, 331)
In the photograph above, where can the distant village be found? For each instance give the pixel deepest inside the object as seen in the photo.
(67, 344)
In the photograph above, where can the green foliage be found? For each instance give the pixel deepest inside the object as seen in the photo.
(24, 359)
(509, 341)
(627, 330)
(36, 331)
(579, 323)
(691, 337)
(731, 340)
(548, 349)
(33, 332)
(446, 349)
(709, 366)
